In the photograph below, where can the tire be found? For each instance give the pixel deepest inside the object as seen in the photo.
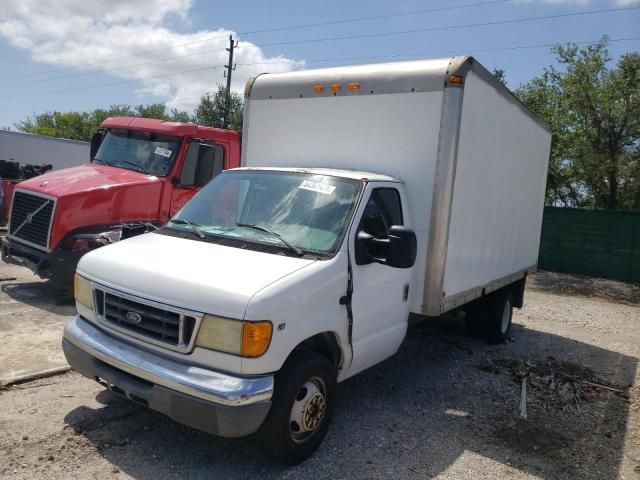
(499, 316)
(475, 319)
(302, 406)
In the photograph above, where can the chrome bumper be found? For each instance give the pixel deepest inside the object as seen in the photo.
(198, 382)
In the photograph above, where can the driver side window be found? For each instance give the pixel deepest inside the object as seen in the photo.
(382, 211)
(201, 164)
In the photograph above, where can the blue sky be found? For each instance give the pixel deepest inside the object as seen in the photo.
(55, 52)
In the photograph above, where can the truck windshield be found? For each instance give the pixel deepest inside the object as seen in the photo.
(295, 211)
(145, 152)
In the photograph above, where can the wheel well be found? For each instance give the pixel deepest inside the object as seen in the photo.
(325, 344)
(517, 292)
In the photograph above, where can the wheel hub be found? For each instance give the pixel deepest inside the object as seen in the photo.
(308, 410)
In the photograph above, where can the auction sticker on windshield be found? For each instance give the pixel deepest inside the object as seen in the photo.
(163, 151)
(317, 187)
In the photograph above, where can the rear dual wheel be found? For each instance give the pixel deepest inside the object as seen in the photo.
(491, 316)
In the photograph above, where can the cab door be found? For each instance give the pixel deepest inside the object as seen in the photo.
(202, 162)
(380, 297)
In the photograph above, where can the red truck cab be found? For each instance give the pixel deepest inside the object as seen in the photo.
(142, 171)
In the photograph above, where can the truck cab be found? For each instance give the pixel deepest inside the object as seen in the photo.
(141, 172)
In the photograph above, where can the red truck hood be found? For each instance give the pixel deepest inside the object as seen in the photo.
(85, 178)
(97, 195)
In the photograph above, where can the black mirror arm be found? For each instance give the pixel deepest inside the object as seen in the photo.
(368, 240)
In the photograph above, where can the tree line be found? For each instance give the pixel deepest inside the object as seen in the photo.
(592, 106)
(217, 109)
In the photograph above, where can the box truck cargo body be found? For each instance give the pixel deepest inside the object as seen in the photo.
(367, 194)
(472, 158)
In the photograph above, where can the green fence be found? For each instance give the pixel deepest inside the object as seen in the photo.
(598, 243)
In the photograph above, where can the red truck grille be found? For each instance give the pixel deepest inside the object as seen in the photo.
(31, 216)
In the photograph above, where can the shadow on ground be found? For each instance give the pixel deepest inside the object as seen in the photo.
(45, 295)
(412, 416)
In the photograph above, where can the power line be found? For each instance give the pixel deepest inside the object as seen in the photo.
(321, 60)
(289, 27)
(374, 17)
(432, 52)
(349, 37)
(447, 27)
(108, 84)
(379, 57)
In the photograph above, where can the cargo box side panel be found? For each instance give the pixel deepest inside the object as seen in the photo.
(498, 196)
(394, 134)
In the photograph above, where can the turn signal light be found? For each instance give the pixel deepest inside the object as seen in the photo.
(256, 337)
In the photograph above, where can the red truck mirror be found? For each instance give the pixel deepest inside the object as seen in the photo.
(96, 140)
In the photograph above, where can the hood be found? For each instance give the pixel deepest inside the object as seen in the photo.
(185, 273)
(91, 195)
(85, 178)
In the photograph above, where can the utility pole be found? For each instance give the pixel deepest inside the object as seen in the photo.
(230, 67)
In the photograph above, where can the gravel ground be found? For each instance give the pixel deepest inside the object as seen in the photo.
(33, 313)
(446, 406)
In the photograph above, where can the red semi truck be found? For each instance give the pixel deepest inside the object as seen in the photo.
(141, 172)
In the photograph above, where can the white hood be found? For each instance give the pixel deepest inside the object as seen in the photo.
(185, 273)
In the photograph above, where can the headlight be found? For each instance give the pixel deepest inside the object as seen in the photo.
(83, 291)
(88, 241)
(249, 339)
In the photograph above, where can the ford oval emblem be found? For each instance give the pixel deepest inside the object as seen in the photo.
(133, 317)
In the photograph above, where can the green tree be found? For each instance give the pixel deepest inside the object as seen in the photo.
(594, 112)
(500, 74)
(212, 108)
(81, 125)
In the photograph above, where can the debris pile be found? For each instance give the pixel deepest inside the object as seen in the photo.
(551, 384)
(15, 171)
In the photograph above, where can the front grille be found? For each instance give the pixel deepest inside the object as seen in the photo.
(164, 327)
(31, 217)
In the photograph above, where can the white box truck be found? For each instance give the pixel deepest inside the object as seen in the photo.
(368, 193)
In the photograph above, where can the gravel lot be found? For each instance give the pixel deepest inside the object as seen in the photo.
(446, 406)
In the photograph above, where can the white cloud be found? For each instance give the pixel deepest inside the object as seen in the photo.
(73, 33)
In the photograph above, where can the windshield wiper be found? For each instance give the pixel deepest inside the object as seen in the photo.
(109, 164)
(194, 226)
(273, 234)
(135, 166)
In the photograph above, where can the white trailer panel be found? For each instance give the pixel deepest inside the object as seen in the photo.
(498, 192)
(27, 148)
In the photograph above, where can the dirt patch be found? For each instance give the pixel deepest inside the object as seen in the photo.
(572, 284)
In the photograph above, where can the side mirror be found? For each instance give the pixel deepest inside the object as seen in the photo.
(96, 141)
(398, 250)
(204, 166)
(403, 247)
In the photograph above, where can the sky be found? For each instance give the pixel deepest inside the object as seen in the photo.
(77, 55)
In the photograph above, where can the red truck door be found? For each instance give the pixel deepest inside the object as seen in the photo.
(202, 162)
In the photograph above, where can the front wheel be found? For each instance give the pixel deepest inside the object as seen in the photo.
(302, 407)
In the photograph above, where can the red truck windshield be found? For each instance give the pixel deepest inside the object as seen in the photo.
(145, 152)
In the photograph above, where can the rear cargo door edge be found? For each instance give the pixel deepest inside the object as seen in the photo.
(448, 138)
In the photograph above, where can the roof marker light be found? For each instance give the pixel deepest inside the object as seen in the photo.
(335, 87)
(354, 86)
(457, 79)
(318, 88)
